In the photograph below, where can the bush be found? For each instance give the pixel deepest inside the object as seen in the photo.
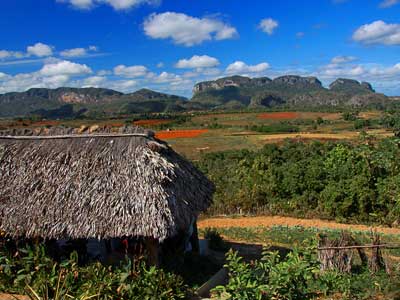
(275, 128)
(270, 278)
(32, 271)
(360, 123)
(215, 240)
(298, 277)
(350, 116)
(329, 180)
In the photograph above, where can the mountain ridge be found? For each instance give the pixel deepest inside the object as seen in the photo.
(288, 90)
(233, 92)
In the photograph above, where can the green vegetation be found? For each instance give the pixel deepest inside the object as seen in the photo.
(275, 128)
(353, 183)
(31, 271)
(294, 236)
(297, 276)
(215, 241)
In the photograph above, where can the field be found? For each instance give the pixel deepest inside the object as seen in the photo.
(287, 232)
(240, 130)
(210, 132)
(289, 180)
(251, 237)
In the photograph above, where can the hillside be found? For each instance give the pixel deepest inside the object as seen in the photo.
(289, 91)
(235, 92)
(71, 102)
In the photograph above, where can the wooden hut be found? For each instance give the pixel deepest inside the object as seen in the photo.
(63, 183)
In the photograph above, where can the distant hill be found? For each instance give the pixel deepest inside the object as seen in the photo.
(291, 91)
(235, 92)
(70, 102)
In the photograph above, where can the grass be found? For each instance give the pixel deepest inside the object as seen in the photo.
(288, 237)
(230, 131)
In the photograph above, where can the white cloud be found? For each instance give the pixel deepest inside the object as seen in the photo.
(160, 64)
(300, 34)
(186, 30)
(78, 52)
(94, 81)
(378, 32)
(123, 85)
(268, 25)
(130, 71)
(377, 74)
(64, 68)
(343, 59)
(239, 67)
(55, 81)
(25, 81)
(103, 72)
(196, 61)
(165, 77)
(3, 76)
(345, 72)
(116, 4)
(202, 72)
(388, 3)
(40, 50)
(4, 54)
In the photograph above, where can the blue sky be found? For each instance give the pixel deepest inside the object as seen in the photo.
(169, 45)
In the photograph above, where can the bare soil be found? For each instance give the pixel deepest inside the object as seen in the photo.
(13, 297)
(270, 221)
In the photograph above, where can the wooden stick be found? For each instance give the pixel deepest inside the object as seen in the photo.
(361, 247)
(73, 136)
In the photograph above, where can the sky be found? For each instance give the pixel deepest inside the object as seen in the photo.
(169, 45)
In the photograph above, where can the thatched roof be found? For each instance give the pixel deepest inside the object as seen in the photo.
(60, 184)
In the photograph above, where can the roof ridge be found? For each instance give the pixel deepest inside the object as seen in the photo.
(76, 136)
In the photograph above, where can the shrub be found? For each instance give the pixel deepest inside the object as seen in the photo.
(215, 240)
(33, 272)
(270, 278)
(298, 277)
(329, 180)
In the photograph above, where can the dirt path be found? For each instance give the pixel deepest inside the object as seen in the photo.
(287, 221)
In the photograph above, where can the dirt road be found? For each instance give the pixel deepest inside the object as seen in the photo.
(287, 221)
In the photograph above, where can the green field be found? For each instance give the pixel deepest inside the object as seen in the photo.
(240, 130)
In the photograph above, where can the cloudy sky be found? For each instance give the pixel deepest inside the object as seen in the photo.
(169, 45)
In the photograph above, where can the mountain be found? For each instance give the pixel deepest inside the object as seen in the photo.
(235, 92)
(291, 91)
(71, 102)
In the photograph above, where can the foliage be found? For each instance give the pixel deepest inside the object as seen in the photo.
(31, 271)
(350, 116)
(337, 181)
(279, 127)
(270, 278)
(360, 123)
(297, 276)
(214, 239)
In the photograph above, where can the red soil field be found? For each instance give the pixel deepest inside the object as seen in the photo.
(278, 115)
(174, 134)
(46, 123)
(115, 124)
(151, 122)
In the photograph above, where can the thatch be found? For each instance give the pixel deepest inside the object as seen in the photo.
(61, 183)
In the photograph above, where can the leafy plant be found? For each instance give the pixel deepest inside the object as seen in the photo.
(32, 272)
(214, 239)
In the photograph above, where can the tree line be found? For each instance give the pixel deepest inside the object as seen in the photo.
(343, 181)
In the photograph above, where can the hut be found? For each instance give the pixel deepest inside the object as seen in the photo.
(63, 183)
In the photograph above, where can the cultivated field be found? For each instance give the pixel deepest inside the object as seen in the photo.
(199, 133)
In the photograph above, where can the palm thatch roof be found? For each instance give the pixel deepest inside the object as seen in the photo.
(59, 183)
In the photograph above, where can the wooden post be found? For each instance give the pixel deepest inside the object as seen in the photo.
(152, 250)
